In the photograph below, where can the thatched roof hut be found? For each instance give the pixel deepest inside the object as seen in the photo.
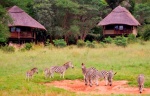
(23, 26)
(21, 18)
(121, 18)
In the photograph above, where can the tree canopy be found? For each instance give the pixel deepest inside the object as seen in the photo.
(71, 19)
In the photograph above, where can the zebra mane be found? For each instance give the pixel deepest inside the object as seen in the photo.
(34, 69)
(83, 69)
(66, 65)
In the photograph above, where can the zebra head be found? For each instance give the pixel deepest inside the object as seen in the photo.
(83, 65)
(69, 64)
(110, 77)
(35, 70)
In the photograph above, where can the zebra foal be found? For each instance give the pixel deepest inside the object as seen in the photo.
(60, 69)
(30, 73)
(141, 80)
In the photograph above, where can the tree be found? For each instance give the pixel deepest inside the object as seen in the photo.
(90, 15)
(4, 31)
(142, 12)
(44, 14)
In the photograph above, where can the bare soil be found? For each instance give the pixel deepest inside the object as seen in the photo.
(78, 86)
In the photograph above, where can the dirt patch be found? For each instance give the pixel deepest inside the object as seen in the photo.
(78, 86)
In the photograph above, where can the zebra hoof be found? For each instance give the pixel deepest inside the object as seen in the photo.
(140, 92)
(110, 84)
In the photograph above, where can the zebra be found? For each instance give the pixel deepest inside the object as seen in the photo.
(110, 77)
(30, 73)
(95, 75)
(85, 70)
(141, 80)
(60, 69)
(47, 72)
(91, 75)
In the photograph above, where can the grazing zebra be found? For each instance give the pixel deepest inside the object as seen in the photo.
(104, 75)
(47, 72)
(60, 69)
(30, 73)
(110, 77)
(95, 75)
(85, 70)
(140, 81)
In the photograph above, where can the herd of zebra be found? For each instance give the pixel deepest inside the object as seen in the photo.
(90, 74)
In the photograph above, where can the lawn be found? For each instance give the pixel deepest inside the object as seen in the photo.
(128, 62)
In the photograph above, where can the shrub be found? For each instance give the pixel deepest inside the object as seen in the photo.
(108, 40)
(103, 44)
(121, 41)
(90, 44)
(146, 34)
(47, 43)
(28, 46)
(60, 43)
(50, 46)
(81, 43)
(8, 48)
(132, 38)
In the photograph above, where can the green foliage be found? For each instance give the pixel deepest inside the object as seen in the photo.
(142, 12)
(8, 49)
(60, 43)
(146, 33)
(28, 46)
(120, 41)
(4, 19)
(102, 44)
(47, 42)
(90, 44)
(132, 38)
(81, 43)
(108, 40)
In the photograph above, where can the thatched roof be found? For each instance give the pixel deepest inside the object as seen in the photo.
(21, 18)
(119, 15)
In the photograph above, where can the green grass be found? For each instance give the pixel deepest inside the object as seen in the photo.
(127, 62)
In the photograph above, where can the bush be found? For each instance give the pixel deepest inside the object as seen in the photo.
(108, 40)
(60, 43)
(132, 38)
(81, 43)
(47, 43)
(8, 48)
(103, 44)
(28, 46)
(121, 41)
(146, 34)
(90, 44)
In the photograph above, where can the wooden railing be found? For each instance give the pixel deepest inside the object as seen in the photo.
(21, 35)
(117, 32)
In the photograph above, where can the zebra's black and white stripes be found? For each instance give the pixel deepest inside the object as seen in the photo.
(30, 73)
(60, 69)
(85, 70)
(92, 74)
(141, 80)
